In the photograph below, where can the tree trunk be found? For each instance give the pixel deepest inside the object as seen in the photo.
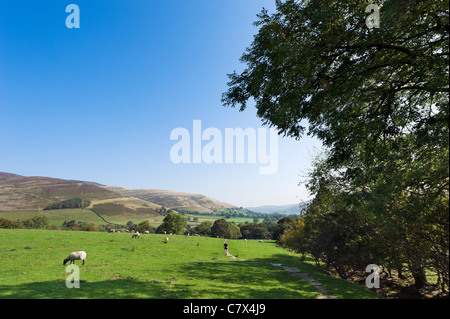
(418, 273)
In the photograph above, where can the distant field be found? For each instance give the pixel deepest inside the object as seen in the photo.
(212, 218)
(118, 266)
(57, 217)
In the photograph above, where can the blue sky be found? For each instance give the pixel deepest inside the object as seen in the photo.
(99, 102)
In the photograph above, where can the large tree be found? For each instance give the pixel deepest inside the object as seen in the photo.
(317, 60)
(378, 99)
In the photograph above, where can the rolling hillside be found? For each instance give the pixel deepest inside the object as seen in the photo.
(174, 199)
(23, 195)
(35, 193)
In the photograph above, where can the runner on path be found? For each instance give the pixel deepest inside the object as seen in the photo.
(225, 247)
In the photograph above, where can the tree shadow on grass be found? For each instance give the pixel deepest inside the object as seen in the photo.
(248, 279)
(232, 279)
(107, 289)
(205, 280)
(338, 287)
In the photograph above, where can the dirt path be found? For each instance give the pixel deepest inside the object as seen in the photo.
(324, 293)
(230, 255)
(311, 280)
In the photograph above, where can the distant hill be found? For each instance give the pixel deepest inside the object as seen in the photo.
(174, 199)
(35, 193)
(281, 209)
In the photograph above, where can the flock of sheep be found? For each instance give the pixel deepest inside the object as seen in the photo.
(81, 255)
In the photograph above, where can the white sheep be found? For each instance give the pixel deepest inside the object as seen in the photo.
(261, 241)
(167, 239)
(77, 255)
(136, 234)
(146, 232)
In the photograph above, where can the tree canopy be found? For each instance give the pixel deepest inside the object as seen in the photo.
(318, 61)
(173, 223)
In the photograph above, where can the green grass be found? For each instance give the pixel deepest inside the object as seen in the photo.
(186, 267)
(58, 216)
(213, 218)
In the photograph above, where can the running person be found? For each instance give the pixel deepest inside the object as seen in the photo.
(225, 247)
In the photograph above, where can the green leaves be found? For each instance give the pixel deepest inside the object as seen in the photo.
(377, 82)
(173, 223)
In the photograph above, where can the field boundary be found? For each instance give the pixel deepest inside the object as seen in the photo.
(102, 217)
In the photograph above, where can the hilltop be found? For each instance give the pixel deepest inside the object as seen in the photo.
(174, 199)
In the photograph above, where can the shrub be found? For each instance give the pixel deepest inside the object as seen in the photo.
(36, 222)
(10, 224)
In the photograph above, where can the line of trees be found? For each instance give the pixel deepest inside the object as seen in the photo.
(70, 203)
(34, 222)
(173, 223)
(176, 224)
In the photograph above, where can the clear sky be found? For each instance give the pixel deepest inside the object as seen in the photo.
(99, 103)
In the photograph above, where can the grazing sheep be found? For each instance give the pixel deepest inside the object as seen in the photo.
(146, 232)
(136, 235)
(112, 230)
(245, 239)
(78, 255)
(261, 241)
(167, 239)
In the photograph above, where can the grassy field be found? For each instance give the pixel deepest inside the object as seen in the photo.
(213, 218)
(118, 266)
(58, 216)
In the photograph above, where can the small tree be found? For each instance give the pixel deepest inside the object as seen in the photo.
(220, 228)
(145, 226)
(204, 228)
(37, 222)
(9, 224)
(85, 226)
(223, 229)
(294, 237)
(173, 223)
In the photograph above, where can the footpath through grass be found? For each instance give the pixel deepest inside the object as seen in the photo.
(118, 266)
